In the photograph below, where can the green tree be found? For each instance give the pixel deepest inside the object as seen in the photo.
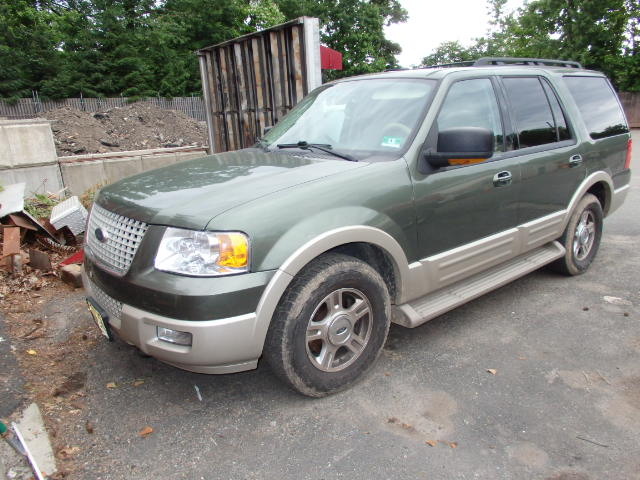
(601, 34)
(28, 43)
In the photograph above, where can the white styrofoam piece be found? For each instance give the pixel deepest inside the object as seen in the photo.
(36, 438)
(11, 199)
(70, 213)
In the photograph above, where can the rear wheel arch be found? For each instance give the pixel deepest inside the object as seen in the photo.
(602, 191)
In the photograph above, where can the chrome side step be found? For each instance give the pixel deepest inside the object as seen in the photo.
(436, 303)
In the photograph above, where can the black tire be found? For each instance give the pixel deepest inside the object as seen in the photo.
(295, 358)
(577, 262)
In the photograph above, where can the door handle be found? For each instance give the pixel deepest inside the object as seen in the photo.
(503, 178)
(575, 160)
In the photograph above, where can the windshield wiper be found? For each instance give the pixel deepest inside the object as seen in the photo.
(323, 147)
(262, 143)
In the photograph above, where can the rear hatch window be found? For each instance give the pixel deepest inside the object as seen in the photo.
(598, 105)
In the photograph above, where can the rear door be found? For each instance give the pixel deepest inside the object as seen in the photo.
(552, 164)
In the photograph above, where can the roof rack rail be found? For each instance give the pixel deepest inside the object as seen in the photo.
(450, 65)
(525, 61)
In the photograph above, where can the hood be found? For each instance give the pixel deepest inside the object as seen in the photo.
(191, 193)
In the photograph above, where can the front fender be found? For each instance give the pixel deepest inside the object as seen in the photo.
(315, 246)
(328, 229)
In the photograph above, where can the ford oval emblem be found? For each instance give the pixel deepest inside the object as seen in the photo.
(101, 235)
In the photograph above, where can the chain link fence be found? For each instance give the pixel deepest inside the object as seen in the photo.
(35, 107)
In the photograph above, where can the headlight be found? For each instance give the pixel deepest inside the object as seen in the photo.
(203, 254)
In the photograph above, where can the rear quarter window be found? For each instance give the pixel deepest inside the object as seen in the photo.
(598, 105)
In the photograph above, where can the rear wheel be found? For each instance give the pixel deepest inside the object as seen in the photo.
(581, 238)
(330, 325)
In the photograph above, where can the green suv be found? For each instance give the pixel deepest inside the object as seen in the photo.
(384, 198)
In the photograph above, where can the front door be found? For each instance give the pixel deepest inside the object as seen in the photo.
(466, 214)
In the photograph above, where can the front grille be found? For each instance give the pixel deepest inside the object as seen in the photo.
(121, 238)
(111, 305)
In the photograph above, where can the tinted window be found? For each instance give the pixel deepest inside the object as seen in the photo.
(598, 104)
(531, 110)
(562, 132)
(472, 103)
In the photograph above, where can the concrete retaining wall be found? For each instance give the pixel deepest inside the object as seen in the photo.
(28, 154)
(82, 172)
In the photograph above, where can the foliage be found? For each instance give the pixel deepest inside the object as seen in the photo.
(601, 34)
(40, 205)
(135, 48)
(28, 41)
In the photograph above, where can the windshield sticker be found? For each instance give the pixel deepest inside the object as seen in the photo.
(393, 142)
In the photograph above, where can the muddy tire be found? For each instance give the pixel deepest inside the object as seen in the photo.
(581, 238)
(330, 325)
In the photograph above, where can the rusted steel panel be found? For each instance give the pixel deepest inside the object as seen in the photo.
(254, 80)
(631, 104)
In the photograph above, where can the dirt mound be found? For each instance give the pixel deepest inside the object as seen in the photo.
(134, 127)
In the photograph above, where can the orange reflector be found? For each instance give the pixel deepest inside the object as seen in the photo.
(627, 162)
(234, 250)
(465, 161)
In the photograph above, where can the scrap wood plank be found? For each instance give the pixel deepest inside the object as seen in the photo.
(10, 247)
(20, 221)
(11, 242)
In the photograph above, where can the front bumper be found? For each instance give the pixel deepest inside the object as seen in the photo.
(223, 345)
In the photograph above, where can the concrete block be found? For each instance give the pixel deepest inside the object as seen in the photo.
(118, 168)
(149, 162)
(79, 177)
(72, 274)
(40, 179)
(26, 142)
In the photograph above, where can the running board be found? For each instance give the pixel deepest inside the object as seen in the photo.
(425, 308)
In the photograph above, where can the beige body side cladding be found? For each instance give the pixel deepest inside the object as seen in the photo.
(436, 303)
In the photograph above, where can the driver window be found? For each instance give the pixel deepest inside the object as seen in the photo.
(472, 103)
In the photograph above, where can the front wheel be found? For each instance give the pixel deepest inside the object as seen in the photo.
(330, 325)
(581, 238)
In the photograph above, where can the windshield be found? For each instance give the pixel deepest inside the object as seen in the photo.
(363, 118)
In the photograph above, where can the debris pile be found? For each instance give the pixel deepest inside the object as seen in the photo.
(134, 127)
(40, 237)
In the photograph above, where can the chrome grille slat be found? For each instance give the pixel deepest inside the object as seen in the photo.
(123, 238)
(111, 305)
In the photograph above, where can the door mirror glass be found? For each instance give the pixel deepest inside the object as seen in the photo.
(462, 146)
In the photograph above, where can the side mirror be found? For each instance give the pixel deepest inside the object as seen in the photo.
(461, 146)
(265, 130)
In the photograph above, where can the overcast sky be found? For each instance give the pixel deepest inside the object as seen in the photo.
(432, 22)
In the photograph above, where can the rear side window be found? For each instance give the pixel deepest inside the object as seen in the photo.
(535, 123)
(598, 105)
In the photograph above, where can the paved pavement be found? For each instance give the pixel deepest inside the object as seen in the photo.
(564, 402)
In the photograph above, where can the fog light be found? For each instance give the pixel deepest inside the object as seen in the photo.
(174, 336)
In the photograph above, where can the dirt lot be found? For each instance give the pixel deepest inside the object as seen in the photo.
(136, 126)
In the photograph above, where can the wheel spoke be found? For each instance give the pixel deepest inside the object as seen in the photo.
(318, 330)
(359, 309)
(584, 218)
(327, 355)
(355, 344)
(334, 301)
